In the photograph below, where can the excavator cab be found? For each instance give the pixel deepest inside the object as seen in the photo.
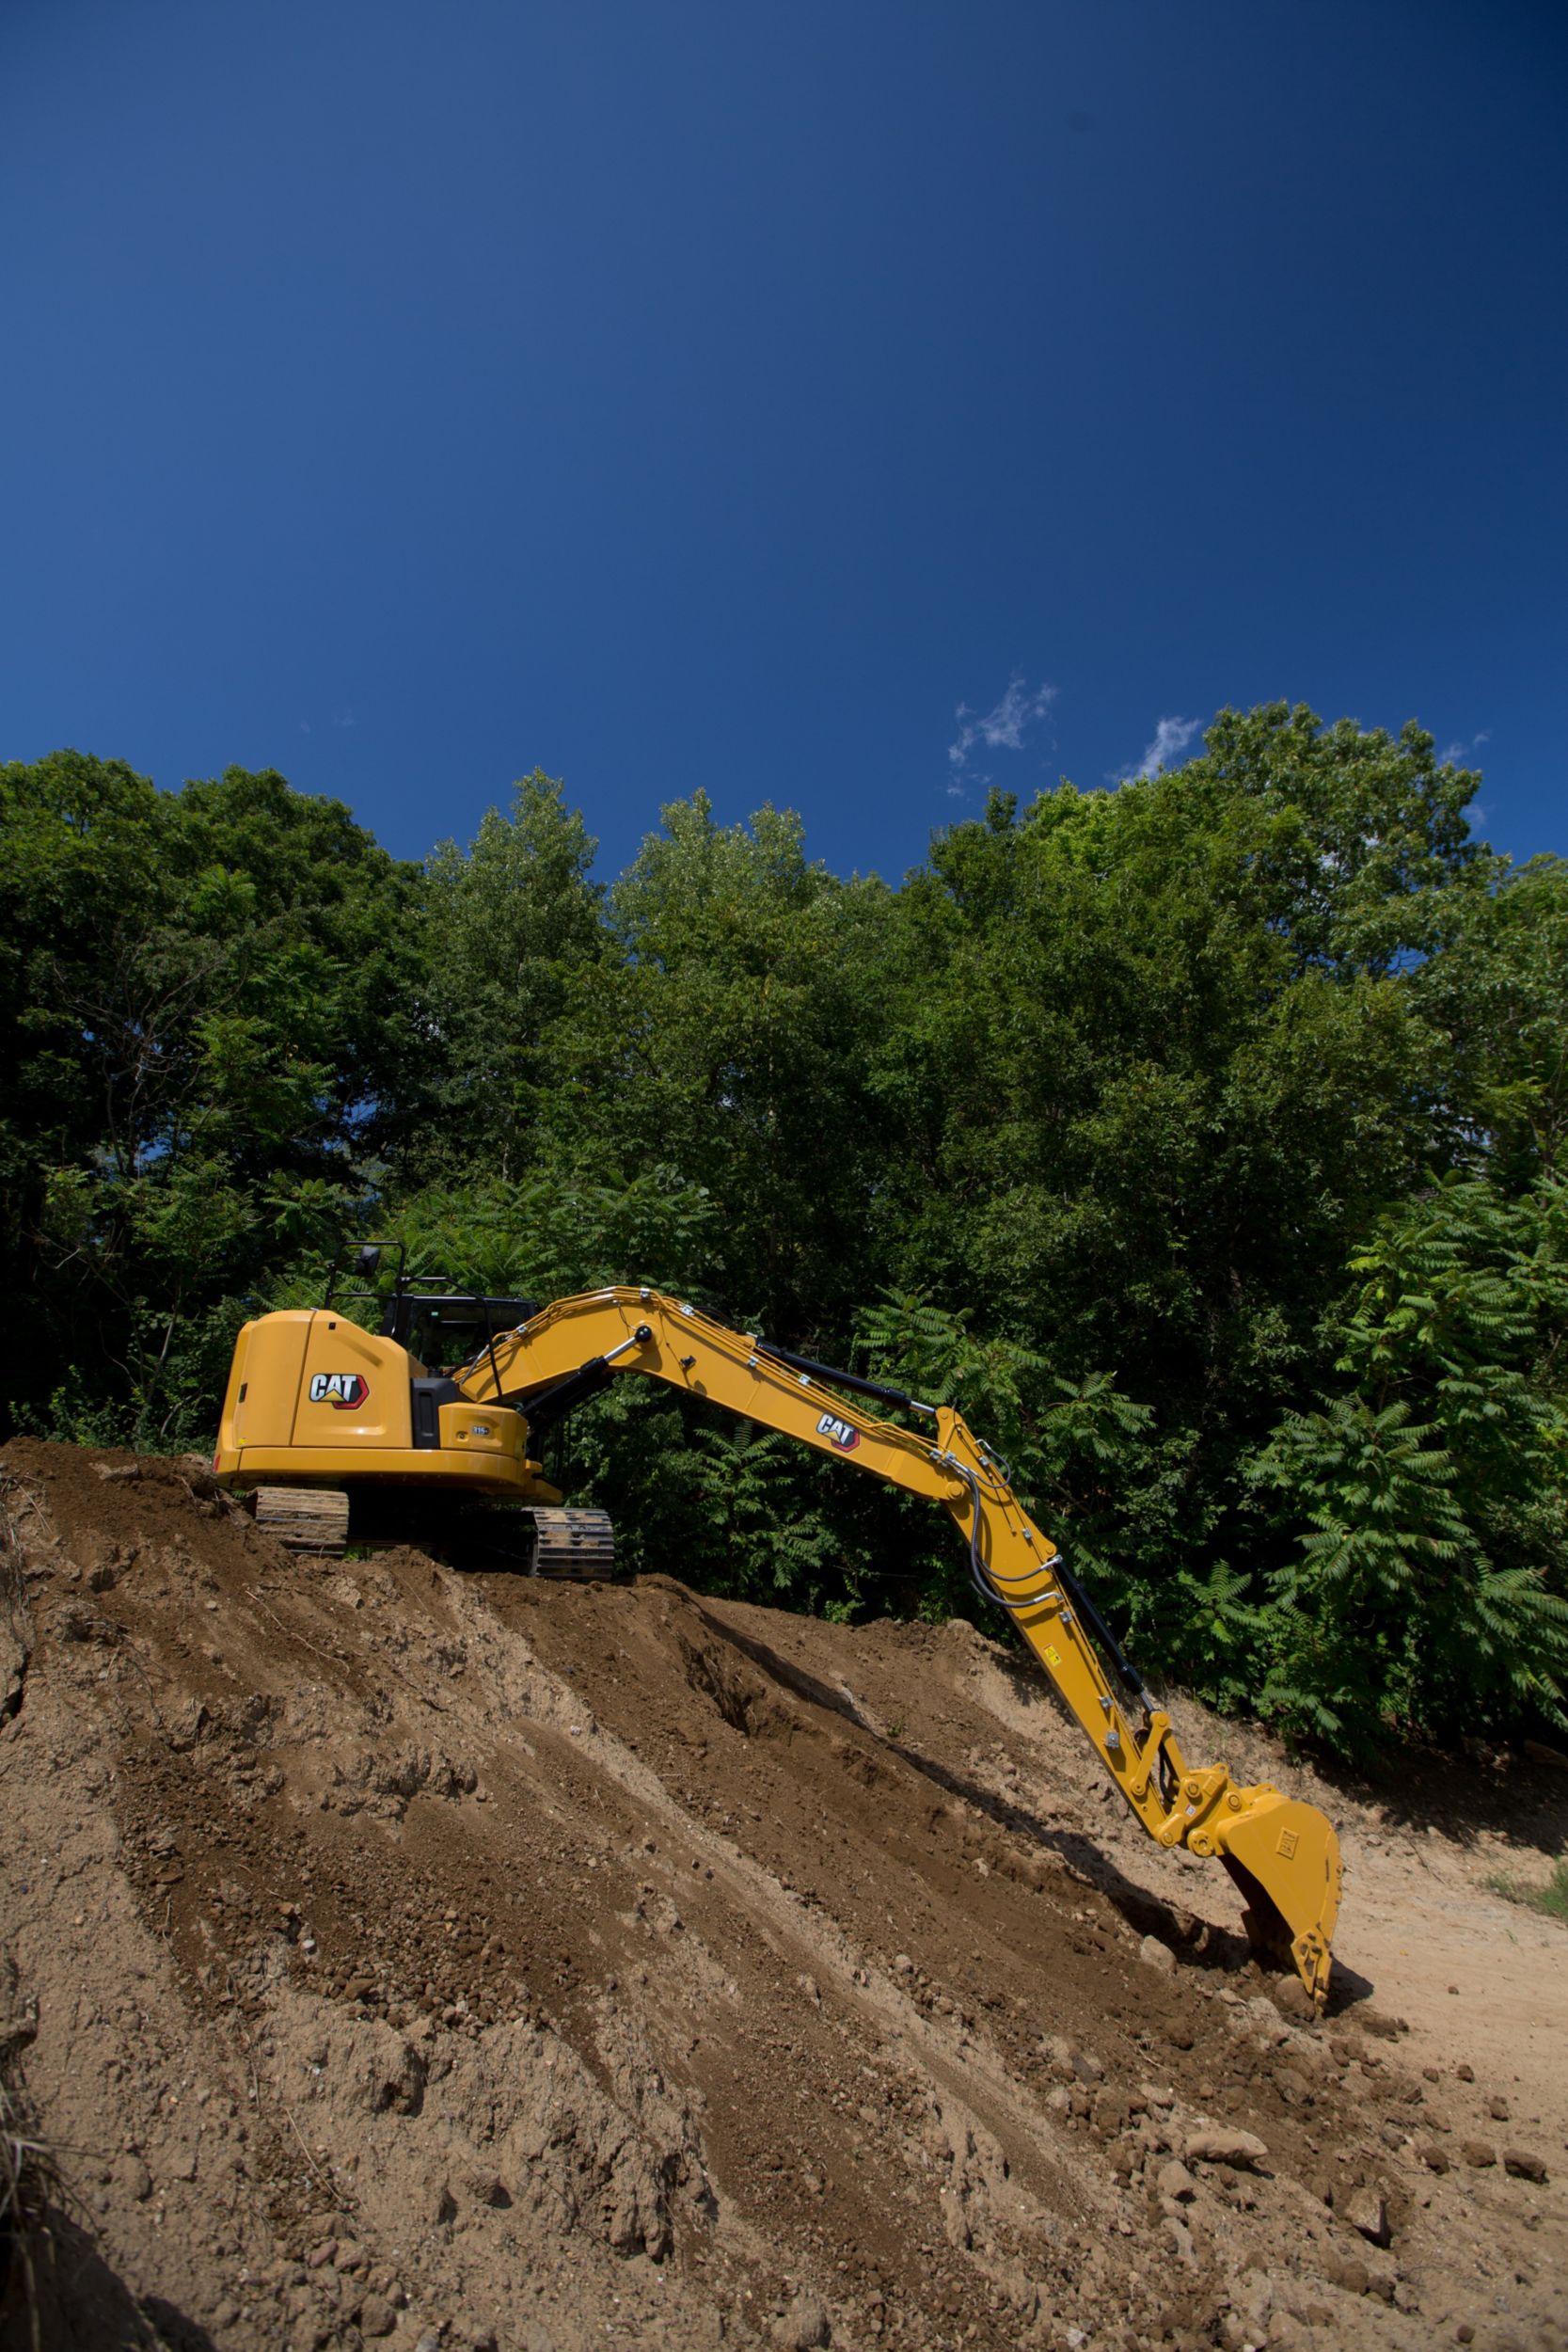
(440, 1324)
(444, 1327)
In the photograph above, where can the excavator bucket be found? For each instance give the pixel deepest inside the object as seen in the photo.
(1284, 1856)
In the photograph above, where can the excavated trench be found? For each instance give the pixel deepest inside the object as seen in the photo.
(468, 1961)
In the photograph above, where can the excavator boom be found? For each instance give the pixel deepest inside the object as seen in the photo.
(1284, 1855)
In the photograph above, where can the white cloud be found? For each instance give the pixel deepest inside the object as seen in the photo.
(1454, 754)
(1171, 739)
(1000, 729)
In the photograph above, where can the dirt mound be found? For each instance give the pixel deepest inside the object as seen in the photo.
(470, 1960)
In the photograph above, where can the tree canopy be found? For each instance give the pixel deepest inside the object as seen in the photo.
(1201, 1137)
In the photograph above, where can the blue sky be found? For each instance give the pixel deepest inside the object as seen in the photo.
(841, 406)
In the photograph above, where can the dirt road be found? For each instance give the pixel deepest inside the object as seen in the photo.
(459, 1961)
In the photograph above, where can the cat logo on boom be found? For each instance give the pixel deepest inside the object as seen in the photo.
(343, 1390)
(838, 1433)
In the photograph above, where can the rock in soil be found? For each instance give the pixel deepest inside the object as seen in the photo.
(1368, 2214)
(1215, 2147)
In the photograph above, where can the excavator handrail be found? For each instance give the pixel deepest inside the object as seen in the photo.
(1283, 1854)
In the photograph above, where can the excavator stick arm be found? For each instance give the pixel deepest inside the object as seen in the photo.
(1283, 1856)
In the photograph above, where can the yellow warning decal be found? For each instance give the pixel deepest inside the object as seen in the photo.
(1053, 1657)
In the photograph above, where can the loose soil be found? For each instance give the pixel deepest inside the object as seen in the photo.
(477, 1963)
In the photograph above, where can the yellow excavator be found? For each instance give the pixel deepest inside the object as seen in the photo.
(323, 1414)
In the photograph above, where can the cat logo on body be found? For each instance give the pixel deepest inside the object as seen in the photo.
(343, 1390)
(838, 1433)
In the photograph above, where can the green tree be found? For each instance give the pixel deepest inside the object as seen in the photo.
(548, 1233)
(1073, 1448)
(1202, 1138)
(1497, 991)
(1154, 1063)
(512, 936)
(1427, 1592)
(730, 1041)
(218, 1034)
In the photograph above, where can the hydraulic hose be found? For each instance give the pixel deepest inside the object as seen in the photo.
(989, 1586)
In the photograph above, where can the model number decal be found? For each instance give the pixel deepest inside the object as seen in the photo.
(838, 1433)
(340, 1389)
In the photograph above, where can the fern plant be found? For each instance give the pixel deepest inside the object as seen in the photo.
(1425, 1585)
(1072, 1447)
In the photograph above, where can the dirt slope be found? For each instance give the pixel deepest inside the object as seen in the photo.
(465, 1961)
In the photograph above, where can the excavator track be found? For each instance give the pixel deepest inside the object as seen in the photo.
(577, 1544)
(305, 1519)
(315, 1521)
